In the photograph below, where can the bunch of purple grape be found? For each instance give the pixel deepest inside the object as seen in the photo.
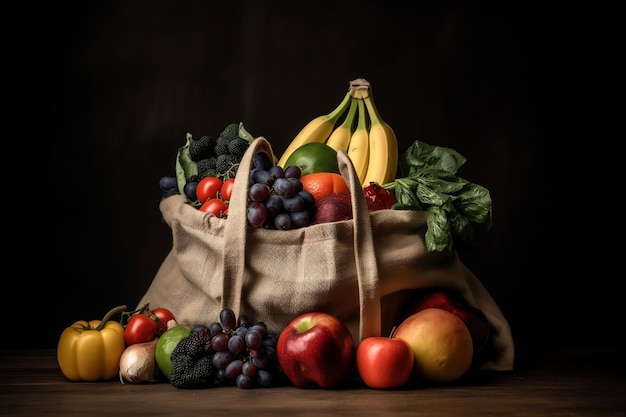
(276, 199)
(230, 351)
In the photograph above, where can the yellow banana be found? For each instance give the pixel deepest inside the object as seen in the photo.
(383, 148)
(317, 130)
(340, 137)
(358, 149)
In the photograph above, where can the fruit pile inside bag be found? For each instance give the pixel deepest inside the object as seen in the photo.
(303, 187)
(439, 336)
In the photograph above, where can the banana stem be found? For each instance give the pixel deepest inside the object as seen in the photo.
(373, 111)
(360, 88)
(340, 109)
(362, 121)
(348, 123)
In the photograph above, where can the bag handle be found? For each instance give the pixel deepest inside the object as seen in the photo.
(236, 228)
(365, 252)
(235, 235)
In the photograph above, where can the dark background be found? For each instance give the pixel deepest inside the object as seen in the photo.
(98, 96)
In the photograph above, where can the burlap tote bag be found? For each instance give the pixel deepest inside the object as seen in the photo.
(361, 270)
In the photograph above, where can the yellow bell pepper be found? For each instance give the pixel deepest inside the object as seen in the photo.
(91, 350)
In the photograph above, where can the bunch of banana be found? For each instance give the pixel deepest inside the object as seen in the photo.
(356, 128)
(317, 130)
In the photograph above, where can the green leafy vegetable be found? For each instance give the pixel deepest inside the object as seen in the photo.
(458, 210)
(185, 167)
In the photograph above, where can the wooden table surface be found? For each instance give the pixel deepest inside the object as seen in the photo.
(581, 383)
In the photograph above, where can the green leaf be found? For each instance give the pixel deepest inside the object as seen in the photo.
(438, 235)
(403, 191)
(426, 195)
(244, 134)
(462, 228)
(475, 203)
(185, 167)
(440, 181)
(421, 155)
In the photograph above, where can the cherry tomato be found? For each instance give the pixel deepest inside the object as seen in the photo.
(163, 315)
(208, 187)
(139, 329)
(227, 189)
(216, 206)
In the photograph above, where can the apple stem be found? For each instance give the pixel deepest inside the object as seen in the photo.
(393, 331)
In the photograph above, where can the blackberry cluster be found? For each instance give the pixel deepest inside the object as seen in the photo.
(219, 156)
(207, 156)
(192, 365)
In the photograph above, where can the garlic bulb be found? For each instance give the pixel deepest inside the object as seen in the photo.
(138, 363)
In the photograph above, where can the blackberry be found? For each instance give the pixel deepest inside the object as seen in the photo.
(221, 146)
(190, 373)
(230, 132)
(238, 147)
(200, 342)
(201, 148)
(211, 172)
(206, 164)
(192, 365)
(226, 166)
(194, 345)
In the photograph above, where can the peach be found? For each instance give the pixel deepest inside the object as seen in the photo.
(441, 343)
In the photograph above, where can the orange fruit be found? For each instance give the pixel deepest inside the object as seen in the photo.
(321, 184)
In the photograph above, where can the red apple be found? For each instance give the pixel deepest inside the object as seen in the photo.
(451, 301)
(384, 362)
(316, 348)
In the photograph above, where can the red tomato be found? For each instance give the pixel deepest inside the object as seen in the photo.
(216, 206)
(208, 187)
(163, 315)
(227, 189)
(384, 362)
(139, 329)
